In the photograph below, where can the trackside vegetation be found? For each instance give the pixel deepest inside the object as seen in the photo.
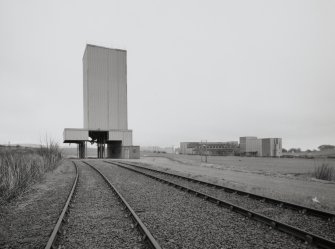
(324, 172)
(22, 166)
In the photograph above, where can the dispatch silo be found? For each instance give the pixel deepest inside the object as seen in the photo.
(105, 88)
(105, 102)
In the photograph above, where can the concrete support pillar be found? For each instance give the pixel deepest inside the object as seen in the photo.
(81, 150)
(101, 150)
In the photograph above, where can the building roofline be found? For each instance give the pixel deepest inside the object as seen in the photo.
(104, 47)
(98, 46)
(211, 142)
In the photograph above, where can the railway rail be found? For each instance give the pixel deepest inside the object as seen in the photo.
(284, 204)
(146, 237)
(61, 219)
(178, 219)
(301, 234)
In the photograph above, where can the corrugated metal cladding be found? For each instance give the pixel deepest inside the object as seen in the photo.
(267, 147)
(105, 88)
(125, 136)
(75, 135)
(85, 90)
(250, 144)
(272, 147)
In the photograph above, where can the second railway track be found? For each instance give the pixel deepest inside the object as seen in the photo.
(319, 228)
(180, 220)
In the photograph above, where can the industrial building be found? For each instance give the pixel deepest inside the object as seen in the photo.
(209, 148)
(105, 105)
(267, 147)
(272, 147)
(249, 146)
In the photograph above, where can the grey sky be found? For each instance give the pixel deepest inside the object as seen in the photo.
(212, 70)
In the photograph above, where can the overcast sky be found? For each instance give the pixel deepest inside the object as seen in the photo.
(214, 70)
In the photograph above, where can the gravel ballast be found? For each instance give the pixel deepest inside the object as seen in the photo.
(28, 221)
(179, 220)
(308, 223)
(97, 218)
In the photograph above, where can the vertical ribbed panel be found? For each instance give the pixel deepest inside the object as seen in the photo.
(122, 112)
(97, 89)
(113, 91)
(266, 146)
(105, 88)
(85, 90)
(259, 147)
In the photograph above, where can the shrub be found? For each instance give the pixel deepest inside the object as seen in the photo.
(324, 172)
(20, 167)
(51, 155)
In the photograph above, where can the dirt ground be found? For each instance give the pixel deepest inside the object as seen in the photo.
(27, 221)
(282, 178)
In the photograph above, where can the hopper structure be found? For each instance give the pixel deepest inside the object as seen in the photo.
(105, 105)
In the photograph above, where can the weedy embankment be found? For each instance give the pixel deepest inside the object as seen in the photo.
(20, 167)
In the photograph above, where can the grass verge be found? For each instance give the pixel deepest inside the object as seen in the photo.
(324, 172)
(20, 167)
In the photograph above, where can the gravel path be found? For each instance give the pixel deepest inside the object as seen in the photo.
(311, 224)
(96, 218)
(179, 220)
(28, 221)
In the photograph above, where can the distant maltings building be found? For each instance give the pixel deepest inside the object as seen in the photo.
(267, 147)
(209, 148)
(105, 105)
(249, 146)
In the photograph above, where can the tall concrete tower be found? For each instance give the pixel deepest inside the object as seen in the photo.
(105, 104)
(105, 88)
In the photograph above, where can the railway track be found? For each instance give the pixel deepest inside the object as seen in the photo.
(319, 222)
(61, 218)
(284, 204)
(180, 220)
(92, 217)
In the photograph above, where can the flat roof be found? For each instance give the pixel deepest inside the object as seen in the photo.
(82, 129)
(97, 46)
(211, 142)
(103, 47)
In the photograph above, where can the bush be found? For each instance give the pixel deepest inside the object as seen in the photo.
(51, 155)
(19, 167)
(324, 172)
